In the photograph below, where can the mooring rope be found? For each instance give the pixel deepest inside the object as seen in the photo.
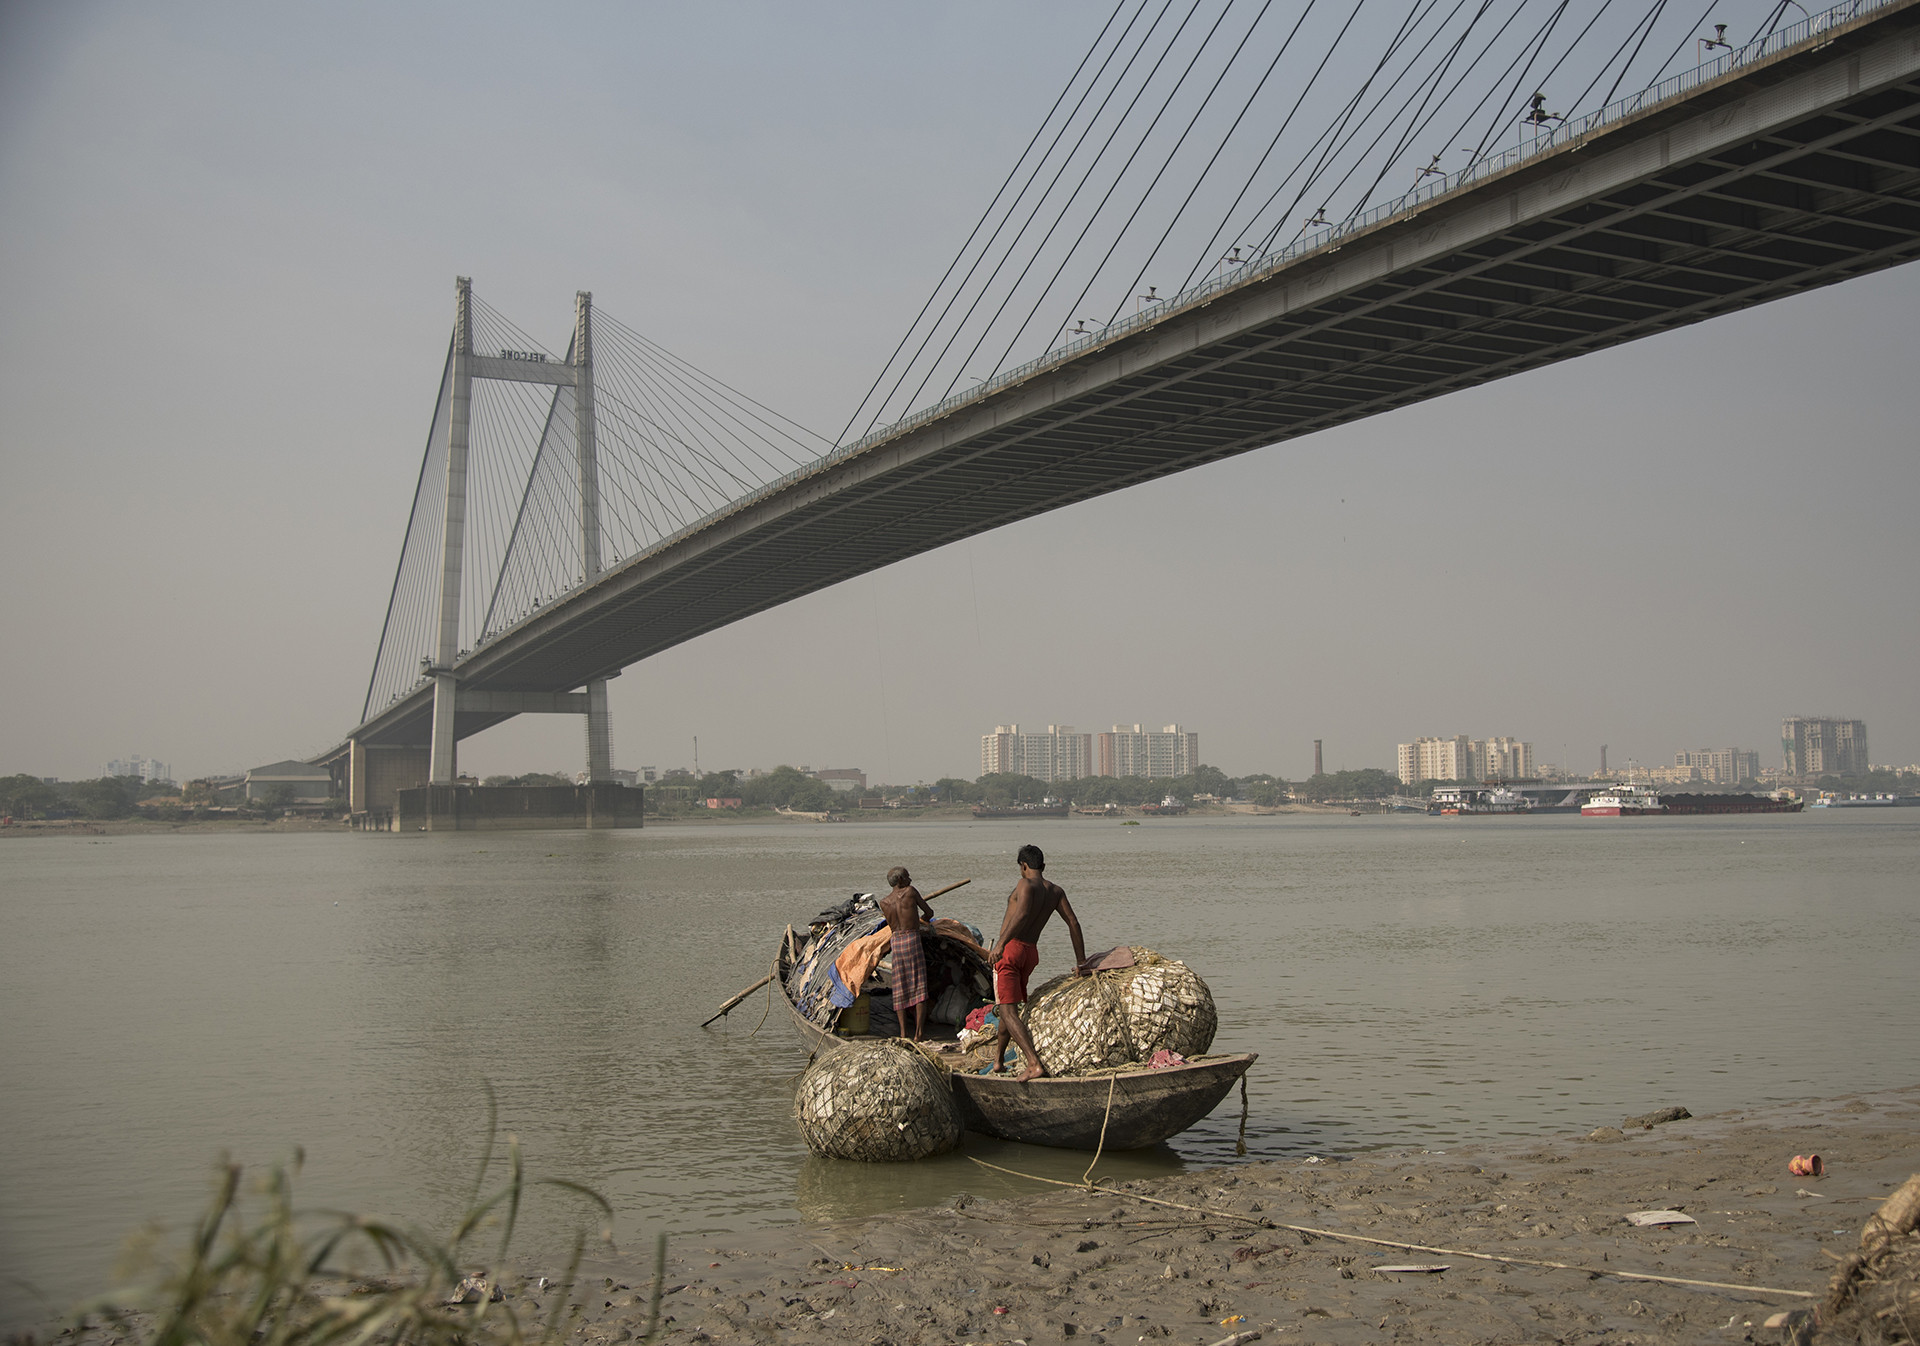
(1240, 1145)
(1264, 1223)
(1113, 1082)
(769, 1005)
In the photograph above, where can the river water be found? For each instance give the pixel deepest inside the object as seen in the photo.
(1408, 982)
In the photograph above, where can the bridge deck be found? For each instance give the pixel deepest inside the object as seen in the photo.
(1790, 174)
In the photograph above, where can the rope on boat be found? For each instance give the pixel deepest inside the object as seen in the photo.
(1264, 1223)
(769, 1006)
(1113, 1082)
(1240, 1145)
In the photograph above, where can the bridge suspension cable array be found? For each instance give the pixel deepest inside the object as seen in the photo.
(1196, 136)
(1769, 167)
(673, 442)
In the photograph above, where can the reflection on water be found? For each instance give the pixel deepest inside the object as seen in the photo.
(833, 1189)
(1407, 981)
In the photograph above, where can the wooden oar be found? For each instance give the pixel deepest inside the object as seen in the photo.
(943, 891)
(742, 996)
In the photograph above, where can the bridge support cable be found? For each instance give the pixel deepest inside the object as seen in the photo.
(1162, 138)
(405, 629)
(991, 246)
(1016, 244)
(987, 214)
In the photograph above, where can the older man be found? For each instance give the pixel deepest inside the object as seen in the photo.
(905, 909)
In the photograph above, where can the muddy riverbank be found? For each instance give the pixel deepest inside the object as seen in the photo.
(1022, 1262)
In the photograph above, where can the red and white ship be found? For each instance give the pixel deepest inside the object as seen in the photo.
(1624, 801)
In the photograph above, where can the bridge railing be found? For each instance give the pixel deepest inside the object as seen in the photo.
(1567, 131)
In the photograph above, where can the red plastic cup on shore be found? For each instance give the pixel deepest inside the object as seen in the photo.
(1806, 1166)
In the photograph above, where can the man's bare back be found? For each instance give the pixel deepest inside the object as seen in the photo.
(1030, 906)
(905, 909)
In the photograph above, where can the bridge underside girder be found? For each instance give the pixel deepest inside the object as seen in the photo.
(1650, 225)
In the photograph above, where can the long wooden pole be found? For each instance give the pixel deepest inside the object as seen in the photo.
(738, 998)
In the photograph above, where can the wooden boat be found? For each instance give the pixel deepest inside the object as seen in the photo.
(1147, 1106)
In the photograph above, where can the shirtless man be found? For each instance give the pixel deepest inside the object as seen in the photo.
(904, 909)
(1016, 953)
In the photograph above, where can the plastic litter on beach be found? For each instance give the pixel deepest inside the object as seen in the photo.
(1422, 1268)
(1806, 1166)
(1650, 1219)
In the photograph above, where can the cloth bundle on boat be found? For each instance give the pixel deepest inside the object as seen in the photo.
(1122, 1014)
(877, 1101)
(848, 958)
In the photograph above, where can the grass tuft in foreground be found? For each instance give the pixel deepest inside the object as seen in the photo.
(277, 1276)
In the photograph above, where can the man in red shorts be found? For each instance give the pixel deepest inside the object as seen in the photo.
(1016, 953)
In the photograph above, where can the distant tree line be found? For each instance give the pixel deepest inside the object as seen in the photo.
(784, 787)
(102, 799)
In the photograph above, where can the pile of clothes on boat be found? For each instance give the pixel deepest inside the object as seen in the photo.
(841, 975)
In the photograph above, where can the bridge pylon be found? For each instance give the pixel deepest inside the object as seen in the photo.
(599, 728)
(371, 780)
(453, 538)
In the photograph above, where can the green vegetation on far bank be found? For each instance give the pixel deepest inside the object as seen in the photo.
(113, 798)
(786, 788)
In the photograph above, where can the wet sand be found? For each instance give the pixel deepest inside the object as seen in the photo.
(1025, 1262)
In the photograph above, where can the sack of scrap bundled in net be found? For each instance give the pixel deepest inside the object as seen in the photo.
(877, 1101)
(1122, 1015)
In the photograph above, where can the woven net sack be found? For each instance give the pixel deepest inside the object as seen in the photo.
(1122, 1016)
(878, 1102)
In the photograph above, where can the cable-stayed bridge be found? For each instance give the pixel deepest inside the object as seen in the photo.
(548, 550)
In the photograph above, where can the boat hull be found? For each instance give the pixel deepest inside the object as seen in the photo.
(1147, 1106)
(1615, 811)
(1703, 804)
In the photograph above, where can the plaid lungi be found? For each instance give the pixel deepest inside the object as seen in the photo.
(909, 970)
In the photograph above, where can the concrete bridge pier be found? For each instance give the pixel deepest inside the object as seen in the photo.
(371, 775)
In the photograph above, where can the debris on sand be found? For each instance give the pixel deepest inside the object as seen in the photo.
(1875, 1295)
(1646, 1121)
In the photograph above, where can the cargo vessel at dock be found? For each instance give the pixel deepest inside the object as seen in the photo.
(1623, 801)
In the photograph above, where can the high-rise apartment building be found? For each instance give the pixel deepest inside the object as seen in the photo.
(1722, 766)
(1462, 758)
(1502, 759)
(148, 770)
(1437, 759)
(1817, 746)
(1129, 750)
(1058, 754)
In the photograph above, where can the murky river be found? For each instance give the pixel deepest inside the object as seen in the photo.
(1407, 982)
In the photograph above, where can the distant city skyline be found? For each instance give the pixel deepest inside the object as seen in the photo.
(1073, 754)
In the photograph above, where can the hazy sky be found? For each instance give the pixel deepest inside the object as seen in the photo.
(228, 238)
